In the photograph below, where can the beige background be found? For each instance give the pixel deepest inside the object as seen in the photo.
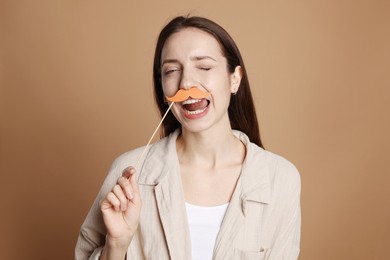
(76, 92)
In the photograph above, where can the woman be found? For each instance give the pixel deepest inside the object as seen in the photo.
(208, 189)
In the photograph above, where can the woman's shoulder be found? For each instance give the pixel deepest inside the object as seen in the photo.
(284, 168)
(279, 168)
(260, 160)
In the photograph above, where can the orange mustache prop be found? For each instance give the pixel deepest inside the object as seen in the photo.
(184, 94)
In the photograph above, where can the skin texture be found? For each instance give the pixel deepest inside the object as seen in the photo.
(210, 156)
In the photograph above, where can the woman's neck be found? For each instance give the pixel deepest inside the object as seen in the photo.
(210, 148)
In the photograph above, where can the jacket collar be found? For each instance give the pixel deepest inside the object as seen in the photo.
(254, 179)
(160, 160)
(254, 184)
(161, 169)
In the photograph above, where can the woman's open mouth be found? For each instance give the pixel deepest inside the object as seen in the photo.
(193, 107)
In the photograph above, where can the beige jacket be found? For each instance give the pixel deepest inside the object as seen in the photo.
(263, 219)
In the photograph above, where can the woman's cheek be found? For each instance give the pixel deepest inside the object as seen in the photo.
(170, 88)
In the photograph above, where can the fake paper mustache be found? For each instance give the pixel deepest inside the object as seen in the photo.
(184, 94)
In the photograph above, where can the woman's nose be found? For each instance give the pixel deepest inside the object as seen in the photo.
(187, 79)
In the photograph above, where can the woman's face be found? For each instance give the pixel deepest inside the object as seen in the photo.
(193, 58)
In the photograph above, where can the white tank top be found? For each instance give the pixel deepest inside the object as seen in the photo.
(204, 224)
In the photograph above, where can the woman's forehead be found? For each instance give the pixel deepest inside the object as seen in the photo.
(192, 42)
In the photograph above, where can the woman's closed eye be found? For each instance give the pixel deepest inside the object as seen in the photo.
(170, 71)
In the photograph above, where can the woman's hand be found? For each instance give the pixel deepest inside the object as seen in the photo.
(121, 210)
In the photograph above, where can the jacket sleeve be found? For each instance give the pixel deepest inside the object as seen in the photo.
(287, 242)
(92, 234)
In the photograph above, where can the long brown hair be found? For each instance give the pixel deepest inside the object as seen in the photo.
(242, 114)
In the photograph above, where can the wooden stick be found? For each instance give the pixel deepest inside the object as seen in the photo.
(155, 131)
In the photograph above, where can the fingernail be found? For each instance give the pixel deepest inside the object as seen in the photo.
(130, 195)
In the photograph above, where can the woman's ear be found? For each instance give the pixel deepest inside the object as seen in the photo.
(235, 79)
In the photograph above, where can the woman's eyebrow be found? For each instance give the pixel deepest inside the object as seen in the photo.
(202, 58)
(169, 61)
(194, 58)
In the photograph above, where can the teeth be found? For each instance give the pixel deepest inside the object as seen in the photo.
(195, 112)
(190, 101)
